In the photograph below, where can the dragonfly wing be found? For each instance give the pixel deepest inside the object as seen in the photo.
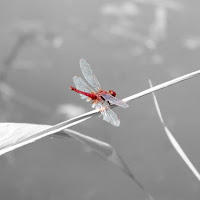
(108, 114)
(88, 74)
(112, 100)
(81, 85)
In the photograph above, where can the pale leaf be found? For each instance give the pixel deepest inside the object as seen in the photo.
(14, 134)
(173, 141)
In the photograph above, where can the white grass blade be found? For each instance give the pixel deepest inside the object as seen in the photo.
(15, 133)
(161, 86)
(173, 140)
(25, 137)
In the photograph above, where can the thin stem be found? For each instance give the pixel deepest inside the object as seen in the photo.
(162, 86)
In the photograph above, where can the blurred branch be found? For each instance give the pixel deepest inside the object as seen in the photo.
(9, 60)
(8, 93)
(28, 32)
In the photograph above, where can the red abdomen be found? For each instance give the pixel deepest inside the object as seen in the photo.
(90, 95)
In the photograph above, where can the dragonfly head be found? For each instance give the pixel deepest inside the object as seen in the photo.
(113, 93)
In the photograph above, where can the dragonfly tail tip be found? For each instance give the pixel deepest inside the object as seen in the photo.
(70, 87)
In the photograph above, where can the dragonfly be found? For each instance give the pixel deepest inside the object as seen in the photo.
(102, 99)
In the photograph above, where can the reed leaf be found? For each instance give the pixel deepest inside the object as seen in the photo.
(172, 139)
(15, 133)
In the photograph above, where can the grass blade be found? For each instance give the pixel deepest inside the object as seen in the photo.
(9, 145)
(173, 141)
(162, 86)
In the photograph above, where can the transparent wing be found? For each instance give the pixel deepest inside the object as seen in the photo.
(108, 114)
(88, 74)
(81, 85)
(115, 101)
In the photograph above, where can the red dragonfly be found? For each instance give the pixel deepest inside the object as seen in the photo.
(101, 99)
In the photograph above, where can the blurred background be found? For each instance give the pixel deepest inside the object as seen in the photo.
(126, 43)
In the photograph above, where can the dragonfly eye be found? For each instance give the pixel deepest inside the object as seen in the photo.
(113, 93)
